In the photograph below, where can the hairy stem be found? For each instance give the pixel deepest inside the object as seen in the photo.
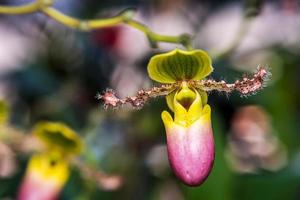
(110, 100)
(245, 86)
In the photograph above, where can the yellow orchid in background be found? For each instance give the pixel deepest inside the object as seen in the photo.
(46, 175)
(190, 141)
(48, 171)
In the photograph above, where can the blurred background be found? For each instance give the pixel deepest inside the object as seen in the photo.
(51, 72)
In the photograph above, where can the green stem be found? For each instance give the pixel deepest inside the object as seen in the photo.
(24, 9)
(150, 34)
(60, 17)
(159, 37)
(84, 25)
(87, 25)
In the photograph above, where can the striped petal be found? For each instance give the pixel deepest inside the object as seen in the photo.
(179, 65)
(58, 136)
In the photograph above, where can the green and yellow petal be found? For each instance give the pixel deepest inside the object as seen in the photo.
(58, 136)
(179, 65)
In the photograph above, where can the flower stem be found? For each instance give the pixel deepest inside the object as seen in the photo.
(125, 17)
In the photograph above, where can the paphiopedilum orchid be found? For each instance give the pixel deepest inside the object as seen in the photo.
(190, 142)
(48, 171)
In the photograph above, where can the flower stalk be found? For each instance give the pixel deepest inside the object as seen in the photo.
(124, 17)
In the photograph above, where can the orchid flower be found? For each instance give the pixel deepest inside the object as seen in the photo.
(189, 133)
(190, 140)
(48, 171)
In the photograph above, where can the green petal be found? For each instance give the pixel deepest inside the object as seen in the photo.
(170, 100)
(58, 136)
(204, 97)
(179, 65)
